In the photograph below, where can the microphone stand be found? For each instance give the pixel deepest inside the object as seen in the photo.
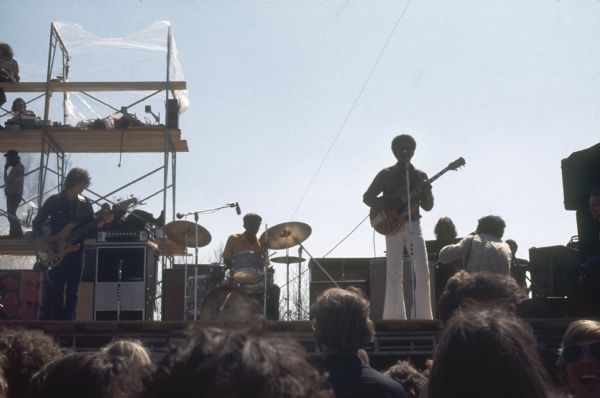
(411, 254)
(185, 285)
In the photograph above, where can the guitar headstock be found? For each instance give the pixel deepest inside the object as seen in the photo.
(458, 163)
(123, 205)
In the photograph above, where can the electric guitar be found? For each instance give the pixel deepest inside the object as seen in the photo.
(52, 249)
(389, 221)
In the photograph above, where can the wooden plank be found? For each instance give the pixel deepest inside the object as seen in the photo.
(17, 247)
(74, 140)
(60, 87)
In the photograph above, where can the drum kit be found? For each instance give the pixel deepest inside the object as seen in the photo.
(218, 295)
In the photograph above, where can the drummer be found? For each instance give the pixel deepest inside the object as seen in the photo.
(248, 241)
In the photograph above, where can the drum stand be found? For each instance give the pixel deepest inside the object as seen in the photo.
(185, 273)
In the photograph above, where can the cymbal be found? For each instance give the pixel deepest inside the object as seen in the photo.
(287, 260)
(286, 235)
(182, 232)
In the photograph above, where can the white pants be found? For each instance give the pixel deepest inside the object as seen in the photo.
(394, 307)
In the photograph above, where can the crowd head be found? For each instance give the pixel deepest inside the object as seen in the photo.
(465, 289)
(225, 363)
(341, 320)
(487, 353)
(408, 376)
(24, 352)
(579, 361)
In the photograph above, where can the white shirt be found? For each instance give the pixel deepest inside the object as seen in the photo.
(487, 253)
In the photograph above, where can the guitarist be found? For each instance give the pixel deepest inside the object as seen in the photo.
(391, 183)
(69, 206)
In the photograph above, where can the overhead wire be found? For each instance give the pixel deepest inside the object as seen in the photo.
(351, 110)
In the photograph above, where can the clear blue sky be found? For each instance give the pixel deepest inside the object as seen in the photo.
(512, 86)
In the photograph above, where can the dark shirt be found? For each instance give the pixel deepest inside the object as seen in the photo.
(391, 183)
(350, 378)
(60, 211)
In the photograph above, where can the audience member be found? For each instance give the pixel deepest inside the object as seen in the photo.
(3, 385)
(213, 362)
(131, 351)
(342, 326)
(487, 353)
(410, 378)
(25, 352)
(76, 375)
(579, 362)
(482, 251)
(22, 118)
(9, 68)
(14, 178)
(486, 288)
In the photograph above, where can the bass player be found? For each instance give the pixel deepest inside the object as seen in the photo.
(391, 184)
(60, 210)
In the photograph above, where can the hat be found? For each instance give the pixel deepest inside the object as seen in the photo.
(12, 153)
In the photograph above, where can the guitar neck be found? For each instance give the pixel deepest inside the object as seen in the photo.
(77, 233)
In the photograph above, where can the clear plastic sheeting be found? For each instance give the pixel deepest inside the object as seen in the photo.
(136, 57)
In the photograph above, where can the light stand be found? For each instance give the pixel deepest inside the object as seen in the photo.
(411, 253)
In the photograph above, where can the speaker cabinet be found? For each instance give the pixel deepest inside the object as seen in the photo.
(580, 174)
(124, 280)
(173, 282)
(20, 294)
(367, 274)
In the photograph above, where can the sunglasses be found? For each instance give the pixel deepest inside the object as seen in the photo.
(574, 352)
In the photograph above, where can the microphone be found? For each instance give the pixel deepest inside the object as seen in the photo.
(237, 208)
(180, 215)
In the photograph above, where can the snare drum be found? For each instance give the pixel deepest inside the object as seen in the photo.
(247, 267)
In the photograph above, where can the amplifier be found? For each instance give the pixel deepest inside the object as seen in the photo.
(124, 235)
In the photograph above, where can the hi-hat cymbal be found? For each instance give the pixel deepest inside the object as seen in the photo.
(286, 235)
(287, 260)
(183, 233)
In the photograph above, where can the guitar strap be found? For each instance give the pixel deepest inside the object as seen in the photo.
(466, 258)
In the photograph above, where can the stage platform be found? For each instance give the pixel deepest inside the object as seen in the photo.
(394, 339)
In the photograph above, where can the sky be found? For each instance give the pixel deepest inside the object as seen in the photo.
(293, 105)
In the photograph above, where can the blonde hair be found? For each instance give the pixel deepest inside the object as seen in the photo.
(131, 351)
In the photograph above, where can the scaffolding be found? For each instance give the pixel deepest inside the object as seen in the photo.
(53, 141)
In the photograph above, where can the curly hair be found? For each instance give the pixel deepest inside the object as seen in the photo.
(577, 332)
(487, 353)
(443, 225)
(404, 139)
(465, 288)
(80, 374)
(217, 362)
(341, 319)
(75, 177)
(25, 352)
(410, 378)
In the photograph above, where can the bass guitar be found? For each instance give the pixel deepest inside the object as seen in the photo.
(52, 249)
(389, 221)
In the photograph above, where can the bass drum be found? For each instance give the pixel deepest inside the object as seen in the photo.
(228, 303)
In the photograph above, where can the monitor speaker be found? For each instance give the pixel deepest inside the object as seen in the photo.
(124, 281)
(172, 113)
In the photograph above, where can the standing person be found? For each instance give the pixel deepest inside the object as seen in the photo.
(61, 209)
(343, 326)
(483, 250)
(247, 241)
(14, 174)
(9, 68)
(391, 183)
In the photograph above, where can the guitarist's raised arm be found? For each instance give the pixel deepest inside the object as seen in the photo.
(426, 196)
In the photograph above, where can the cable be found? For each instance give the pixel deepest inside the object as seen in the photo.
(339, 131)
(329, 252)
